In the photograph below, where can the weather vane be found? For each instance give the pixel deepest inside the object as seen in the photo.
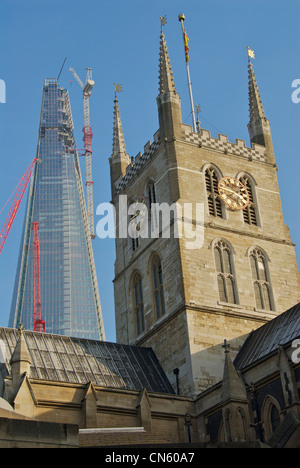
(118, 88)
(163, 20)
(198, 110)
(251, 53)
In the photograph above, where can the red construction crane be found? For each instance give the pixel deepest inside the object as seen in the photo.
(15, 205)
(37, 314)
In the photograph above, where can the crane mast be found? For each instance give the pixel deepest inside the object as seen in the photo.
(37, 314)
(15, 205)
(87, 139)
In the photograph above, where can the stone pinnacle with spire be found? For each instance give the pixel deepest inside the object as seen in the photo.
(232, 386)
(168, 100)
(166, 79)
(119, 159)
(259, 126)
(256, 109)
(119, 148)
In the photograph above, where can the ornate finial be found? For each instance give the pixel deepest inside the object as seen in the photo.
(226, 347)
(198, 110)
(21, 328)
(251, 53)
(118, 89)
(163, 20)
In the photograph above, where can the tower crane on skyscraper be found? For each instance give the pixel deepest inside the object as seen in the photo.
(87, 138)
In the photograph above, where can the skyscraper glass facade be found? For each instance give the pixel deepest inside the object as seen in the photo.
(70, 303)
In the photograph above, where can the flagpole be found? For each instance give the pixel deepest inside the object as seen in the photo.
(181, 18)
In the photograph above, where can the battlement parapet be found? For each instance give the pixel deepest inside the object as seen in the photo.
(222, 144)
(202, 139)
(138, 162)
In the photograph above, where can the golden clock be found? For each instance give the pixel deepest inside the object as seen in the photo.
(233, 193)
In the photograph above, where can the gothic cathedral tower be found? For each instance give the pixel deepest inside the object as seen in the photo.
(182, 300)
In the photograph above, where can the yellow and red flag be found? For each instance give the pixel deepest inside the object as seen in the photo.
(186, 47)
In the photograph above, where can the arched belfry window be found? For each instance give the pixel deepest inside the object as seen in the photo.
(250, 212)
(214, 201)
(151, 192)
(138, 303)
(261, 280)
(158, 287)
(134, 242)
(151, 196)
(225, 272)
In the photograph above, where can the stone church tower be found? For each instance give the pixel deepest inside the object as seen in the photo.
(182, 299)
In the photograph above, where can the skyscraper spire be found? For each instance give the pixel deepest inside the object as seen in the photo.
(70, 301)
(119, 159)
(259, 126)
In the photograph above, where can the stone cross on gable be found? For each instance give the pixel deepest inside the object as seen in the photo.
(226, 347)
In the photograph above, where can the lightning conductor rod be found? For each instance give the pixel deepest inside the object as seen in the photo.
(181, 18)
(61, 68)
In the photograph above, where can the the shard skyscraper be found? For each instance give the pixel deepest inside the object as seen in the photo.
(70, 303)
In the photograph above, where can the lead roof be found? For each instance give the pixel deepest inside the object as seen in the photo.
(77, 360)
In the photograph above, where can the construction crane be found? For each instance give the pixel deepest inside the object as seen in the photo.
(39, 324)
(87, 138)
(21, 189)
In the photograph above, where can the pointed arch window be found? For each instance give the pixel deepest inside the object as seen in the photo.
(159, 298)
(250, 212)
(225, 272)
(214, 201)
(274, 418)
(271, 416)
(139, 303)
(151, 194)
(261, 280)
(133, 241)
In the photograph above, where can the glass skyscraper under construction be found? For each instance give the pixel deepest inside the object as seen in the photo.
(70, 303)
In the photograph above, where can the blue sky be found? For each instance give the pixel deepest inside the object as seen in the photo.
(119, 40)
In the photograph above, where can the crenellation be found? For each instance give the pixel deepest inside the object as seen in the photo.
(203, 139)
(138, 162)
(147, 146)
(223, 138)
(222, 144)
(240, 143)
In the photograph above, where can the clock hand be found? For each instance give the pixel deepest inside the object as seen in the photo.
(233, 191)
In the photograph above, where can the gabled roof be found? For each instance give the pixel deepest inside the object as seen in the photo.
(77, 360)
(267, 339)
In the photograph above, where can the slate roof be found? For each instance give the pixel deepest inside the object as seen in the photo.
(260, 343)
(65, 359)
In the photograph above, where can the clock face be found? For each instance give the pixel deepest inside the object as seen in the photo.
(233, 193)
